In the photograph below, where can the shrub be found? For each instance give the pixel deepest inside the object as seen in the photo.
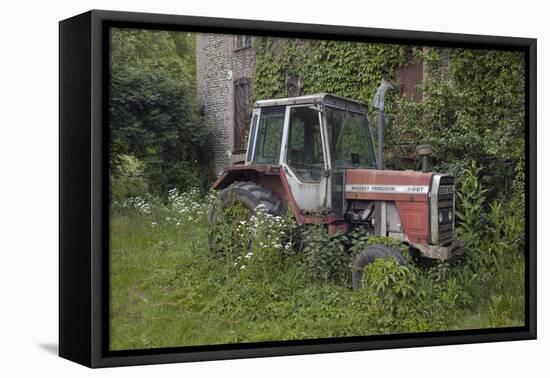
(269, 245)
(153, 110)
(493, 270)
(127, 179)
(325, 257)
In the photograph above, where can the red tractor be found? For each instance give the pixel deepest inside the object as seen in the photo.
(316, 153)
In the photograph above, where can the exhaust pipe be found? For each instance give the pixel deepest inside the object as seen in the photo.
(378, 103)
(424, 151)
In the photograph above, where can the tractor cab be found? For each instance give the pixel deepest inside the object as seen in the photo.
(313, 139)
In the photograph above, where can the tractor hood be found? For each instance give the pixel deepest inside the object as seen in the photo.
(387, 185)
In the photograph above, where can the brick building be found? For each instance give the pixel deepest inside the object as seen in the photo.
(225, 66)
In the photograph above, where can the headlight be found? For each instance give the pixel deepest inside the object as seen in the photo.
(450, 215)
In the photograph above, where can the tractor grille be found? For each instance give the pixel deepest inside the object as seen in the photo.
(445, 209)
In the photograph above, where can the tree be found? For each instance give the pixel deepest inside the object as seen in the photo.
(153, 112)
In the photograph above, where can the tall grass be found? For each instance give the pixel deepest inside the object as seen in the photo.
(168, 288)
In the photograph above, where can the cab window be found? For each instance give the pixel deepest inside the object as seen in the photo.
(305, 151)
(270, 132)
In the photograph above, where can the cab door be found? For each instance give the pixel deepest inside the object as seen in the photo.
(303, 157)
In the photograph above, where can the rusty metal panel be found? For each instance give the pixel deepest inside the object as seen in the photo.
(387, 185)
(414, 219)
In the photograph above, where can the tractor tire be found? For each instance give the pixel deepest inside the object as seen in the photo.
(250, 195)
(368, 256)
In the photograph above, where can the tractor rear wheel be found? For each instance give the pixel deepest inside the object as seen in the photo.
(368, 256)
(250, 196)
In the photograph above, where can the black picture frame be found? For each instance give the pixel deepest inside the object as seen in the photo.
(83, 181)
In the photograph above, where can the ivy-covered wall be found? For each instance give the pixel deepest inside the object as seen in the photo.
(473, 104)
(290, 67)
(473, 110)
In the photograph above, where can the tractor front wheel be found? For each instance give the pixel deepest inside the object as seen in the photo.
(368, 256)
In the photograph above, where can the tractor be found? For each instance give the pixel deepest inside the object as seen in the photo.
(316, 153)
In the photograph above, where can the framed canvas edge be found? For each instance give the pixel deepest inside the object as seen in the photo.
(75, 270)
(319, 348)
(99, 355)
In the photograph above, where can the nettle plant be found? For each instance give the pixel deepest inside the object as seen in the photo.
(325, 257)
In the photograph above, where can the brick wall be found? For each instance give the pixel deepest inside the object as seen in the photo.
(219, 65)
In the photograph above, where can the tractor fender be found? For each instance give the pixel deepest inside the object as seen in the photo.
(266, 176)
(272, 178)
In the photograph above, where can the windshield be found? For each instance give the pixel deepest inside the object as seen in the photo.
(349, 139)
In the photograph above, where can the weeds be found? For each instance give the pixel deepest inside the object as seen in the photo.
(168, 288)
(325, 257)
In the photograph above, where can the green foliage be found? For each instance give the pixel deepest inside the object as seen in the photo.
(228, 234)
(170, 289)
(361, 239)
(153, 111)
(329, 258)
(394, 301)
(473, 109)
(290, 67)
(250, 238)
(325, 257)
(128, 180)
(385, 277)
(494, 239)
(471, 198)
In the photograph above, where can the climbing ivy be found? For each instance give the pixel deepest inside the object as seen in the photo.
(472, 107)
(291, 67)
(473, 110)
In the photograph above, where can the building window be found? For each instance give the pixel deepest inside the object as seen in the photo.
(243, 41)
(241, 113)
